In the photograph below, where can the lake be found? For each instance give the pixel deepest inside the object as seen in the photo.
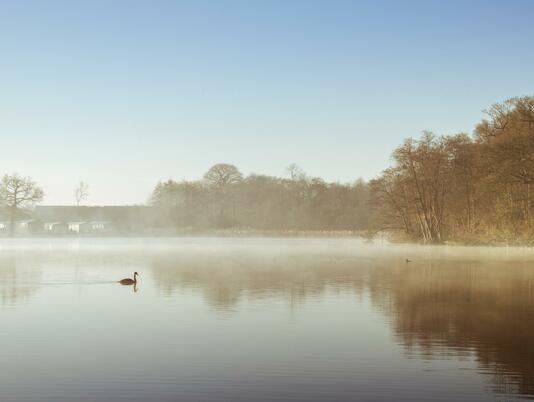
(259, 319)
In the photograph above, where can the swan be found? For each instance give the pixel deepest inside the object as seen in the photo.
(129, 281)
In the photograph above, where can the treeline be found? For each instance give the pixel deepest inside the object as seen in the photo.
(459, 187)
(226, 199)
(467, 188)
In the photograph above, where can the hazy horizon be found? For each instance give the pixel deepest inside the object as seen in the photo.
(124, 95)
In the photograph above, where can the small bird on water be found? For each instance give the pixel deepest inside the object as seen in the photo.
(408, 260)
(129, 281)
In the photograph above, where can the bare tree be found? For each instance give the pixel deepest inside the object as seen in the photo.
(223, 174)
(222, 179)
(18, 193)
(81, 192)
(295, 172)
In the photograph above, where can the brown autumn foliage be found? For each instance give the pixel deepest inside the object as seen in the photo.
(464, 188)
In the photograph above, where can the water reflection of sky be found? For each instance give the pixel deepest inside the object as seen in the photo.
(226, 319)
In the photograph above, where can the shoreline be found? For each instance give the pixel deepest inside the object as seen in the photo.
(311, 234)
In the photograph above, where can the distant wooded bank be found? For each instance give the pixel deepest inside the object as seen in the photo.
(466, 188)
(460, 188)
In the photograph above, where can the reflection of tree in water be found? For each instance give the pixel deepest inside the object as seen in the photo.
(457, 309)
(16, 284)
(225, 281)
(464, 309)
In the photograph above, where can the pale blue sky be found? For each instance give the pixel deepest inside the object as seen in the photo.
(122, 94)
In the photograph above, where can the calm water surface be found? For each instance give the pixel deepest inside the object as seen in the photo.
(264, 320)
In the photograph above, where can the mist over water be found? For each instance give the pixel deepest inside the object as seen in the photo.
(240, 319)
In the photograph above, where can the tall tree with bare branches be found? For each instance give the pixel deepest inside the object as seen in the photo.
(222, 174)
(16, 193)
(81, 192)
